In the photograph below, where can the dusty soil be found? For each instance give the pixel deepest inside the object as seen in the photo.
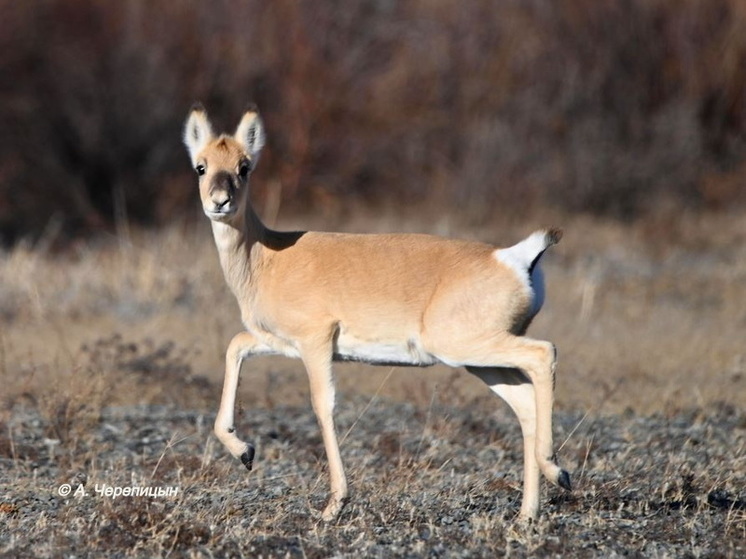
(439, 481)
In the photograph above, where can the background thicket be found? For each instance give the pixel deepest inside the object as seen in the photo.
(601, 106)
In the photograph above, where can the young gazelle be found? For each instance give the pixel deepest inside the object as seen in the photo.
(382, 299)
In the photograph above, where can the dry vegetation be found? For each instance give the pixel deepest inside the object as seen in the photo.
(603, 106)
(111, 361)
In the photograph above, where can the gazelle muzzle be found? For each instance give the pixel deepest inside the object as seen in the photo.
(222, 192)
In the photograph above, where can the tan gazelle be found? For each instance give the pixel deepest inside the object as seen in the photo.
(403, 299)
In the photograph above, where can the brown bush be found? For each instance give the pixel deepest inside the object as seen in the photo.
(593, 105)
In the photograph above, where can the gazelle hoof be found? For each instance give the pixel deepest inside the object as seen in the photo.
(332, 510)
(247, 458)
(564, 480)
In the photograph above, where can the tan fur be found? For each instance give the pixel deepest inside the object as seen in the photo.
(409, 299)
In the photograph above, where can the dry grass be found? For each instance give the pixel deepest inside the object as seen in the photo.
(649, 316)
(111, 359)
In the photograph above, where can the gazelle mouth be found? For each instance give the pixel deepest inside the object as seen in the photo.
(221, 214)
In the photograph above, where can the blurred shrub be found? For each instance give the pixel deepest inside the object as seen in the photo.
(602, 106)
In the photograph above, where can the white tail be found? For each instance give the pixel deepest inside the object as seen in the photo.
(381, 299)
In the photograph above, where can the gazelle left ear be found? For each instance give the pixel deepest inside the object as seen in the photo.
(197, 132)
(250, 133)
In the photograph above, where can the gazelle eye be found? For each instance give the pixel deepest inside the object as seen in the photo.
(200, 169)
(244, 169)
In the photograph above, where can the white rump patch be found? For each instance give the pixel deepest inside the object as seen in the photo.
(519, 258)
(537, 287)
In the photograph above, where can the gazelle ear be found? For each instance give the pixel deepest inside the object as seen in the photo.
(197, 131)
(250, 133)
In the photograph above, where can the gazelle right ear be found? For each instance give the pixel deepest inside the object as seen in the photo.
(197, 131)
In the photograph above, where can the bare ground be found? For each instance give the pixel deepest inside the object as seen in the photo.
(434, 482)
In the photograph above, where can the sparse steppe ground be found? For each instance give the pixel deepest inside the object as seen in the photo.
(111, 359)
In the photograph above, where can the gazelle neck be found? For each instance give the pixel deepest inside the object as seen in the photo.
(237, 242)
(242, 241)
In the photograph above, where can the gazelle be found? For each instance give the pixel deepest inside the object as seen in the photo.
(412, 300)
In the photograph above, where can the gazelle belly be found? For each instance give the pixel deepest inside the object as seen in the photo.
(407, 352)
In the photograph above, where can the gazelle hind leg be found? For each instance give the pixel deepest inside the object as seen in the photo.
(319, 368)
(542, 378)
(242, 345)
(518, 392)
(536, 359)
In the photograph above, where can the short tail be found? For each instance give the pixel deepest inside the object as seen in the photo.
(554, 236)
(528, 252)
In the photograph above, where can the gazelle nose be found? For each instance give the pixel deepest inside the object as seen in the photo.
(222, 190)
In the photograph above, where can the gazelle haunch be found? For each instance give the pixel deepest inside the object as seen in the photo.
(381, 299)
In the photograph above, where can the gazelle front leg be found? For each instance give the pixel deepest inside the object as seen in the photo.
(242, 345)
(319, 367)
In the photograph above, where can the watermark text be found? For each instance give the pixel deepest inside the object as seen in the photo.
(116, 491)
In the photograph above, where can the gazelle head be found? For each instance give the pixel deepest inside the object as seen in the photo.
(225, 162)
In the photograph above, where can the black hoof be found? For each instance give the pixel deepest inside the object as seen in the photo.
(564, 480)
(248, 458)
